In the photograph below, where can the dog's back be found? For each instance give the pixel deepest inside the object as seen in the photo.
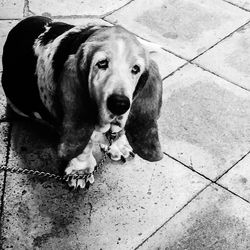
(19, 65)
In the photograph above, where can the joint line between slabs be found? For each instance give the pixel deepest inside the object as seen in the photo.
(203, 189)
(193, 170)
(26, 9)
(177, 212)
(113, 11)
(215, 181)
(230, 34)
(242, 8)
(232, 166)
(233, 193)
(222, 77)
(10, 19)
(2, 203)
(5, 177)
(172, 73)
(196, 195)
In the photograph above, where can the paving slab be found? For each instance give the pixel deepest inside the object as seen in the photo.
(245, 4)
(11, 9)
(126, 203)
(230, 58)
(186, 27)
(3, 103)
(77, 7)
(204, 121)
(4, 130)
(82, 21)
(215, 219)
(166, 62)
(238, 178)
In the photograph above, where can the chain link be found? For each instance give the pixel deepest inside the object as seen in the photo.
(110, 136)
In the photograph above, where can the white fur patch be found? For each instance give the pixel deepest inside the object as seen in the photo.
(121, 48)
(120, 149)
(115, 128)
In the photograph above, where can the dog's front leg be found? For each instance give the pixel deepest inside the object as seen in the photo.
(82, 164)
(120, 148)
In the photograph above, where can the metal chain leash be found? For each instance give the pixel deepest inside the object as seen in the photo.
(65, 178)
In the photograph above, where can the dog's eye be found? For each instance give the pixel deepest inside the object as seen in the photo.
(103, 64)
(135, 70)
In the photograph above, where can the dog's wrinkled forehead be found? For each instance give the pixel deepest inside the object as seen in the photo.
(118, 44)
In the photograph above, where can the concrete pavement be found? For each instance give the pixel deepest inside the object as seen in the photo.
(198, 196)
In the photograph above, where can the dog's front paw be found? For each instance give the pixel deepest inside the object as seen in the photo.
(80, 167)
(119, 150)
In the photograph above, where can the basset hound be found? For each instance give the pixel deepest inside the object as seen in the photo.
(84, 80)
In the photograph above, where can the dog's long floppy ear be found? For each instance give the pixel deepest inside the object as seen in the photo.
(78, 111)
(141, 127)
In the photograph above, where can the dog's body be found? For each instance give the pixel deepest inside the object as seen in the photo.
(84, 80)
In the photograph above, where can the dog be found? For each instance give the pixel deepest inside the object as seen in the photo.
(85, 81)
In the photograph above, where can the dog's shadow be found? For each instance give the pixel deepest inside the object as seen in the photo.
(49, 202)
(33, 146)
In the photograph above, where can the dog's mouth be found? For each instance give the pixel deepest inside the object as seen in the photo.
(116, 126)
(114, 123)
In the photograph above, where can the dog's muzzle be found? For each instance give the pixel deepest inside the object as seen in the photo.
(118, 104)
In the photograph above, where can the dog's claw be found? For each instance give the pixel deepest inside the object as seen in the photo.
(104, 148)
(91, 179)
(83, 169)
(81, 183)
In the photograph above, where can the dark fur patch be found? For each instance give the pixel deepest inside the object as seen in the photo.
(141, 83)
(56, 29)
(19, 66)
(141, 127)
(68, 46)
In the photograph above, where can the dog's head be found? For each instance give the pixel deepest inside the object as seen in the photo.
(115, 61)
(123, 85)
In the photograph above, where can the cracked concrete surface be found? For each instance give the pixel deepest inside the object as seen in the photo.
(197, 196)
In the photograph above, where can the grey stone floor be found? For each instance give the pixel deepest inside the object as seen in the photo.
(198, 196)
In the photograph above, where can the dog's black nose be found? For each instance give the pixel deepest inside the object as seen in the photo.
(118, 104)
